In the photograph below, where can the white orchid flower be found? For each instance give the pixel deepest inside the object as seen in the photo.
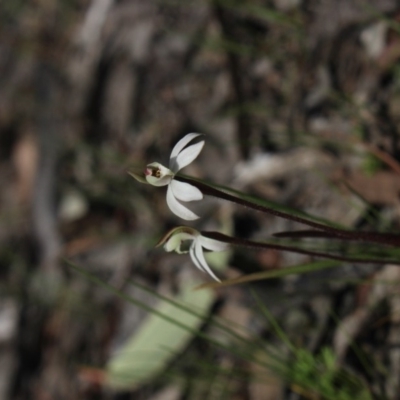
(177, 238)
(158, 175)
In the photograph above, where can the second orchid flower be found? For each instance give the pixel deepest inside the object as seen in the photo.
(176, 238)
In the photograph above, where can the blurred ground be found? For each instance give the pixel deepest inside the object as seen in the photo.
(300, 104)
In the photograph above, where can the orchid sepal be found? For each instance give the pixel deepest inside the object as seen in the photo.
(139, 177)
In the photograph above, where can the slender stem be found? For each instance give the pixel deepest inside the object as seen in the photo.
(260, 245)
(375, 237)
(309, 233)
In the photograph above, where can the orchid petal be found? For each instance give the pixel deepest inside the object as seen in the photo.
(179, 209)
(194, 259)
(185, 192)
(182, 143)
(185, 157)
(175, 241)
(165, 174)
(176, 232)
(199, 256)
(164, 181)
(212, 244)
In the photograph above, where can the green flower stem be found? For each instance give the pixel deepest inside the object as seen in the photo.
(260, 245)
(374, 237)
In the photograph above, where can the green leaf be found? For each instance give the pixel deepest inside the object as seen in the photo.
(149, 351)
(278, 273)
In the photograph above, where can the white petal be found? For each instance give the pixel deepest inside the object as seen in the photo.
(177, 208)
(182, 143)
(194, 259)
(185, 157)
(212, 244)
(185, 192)
(198, 253)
